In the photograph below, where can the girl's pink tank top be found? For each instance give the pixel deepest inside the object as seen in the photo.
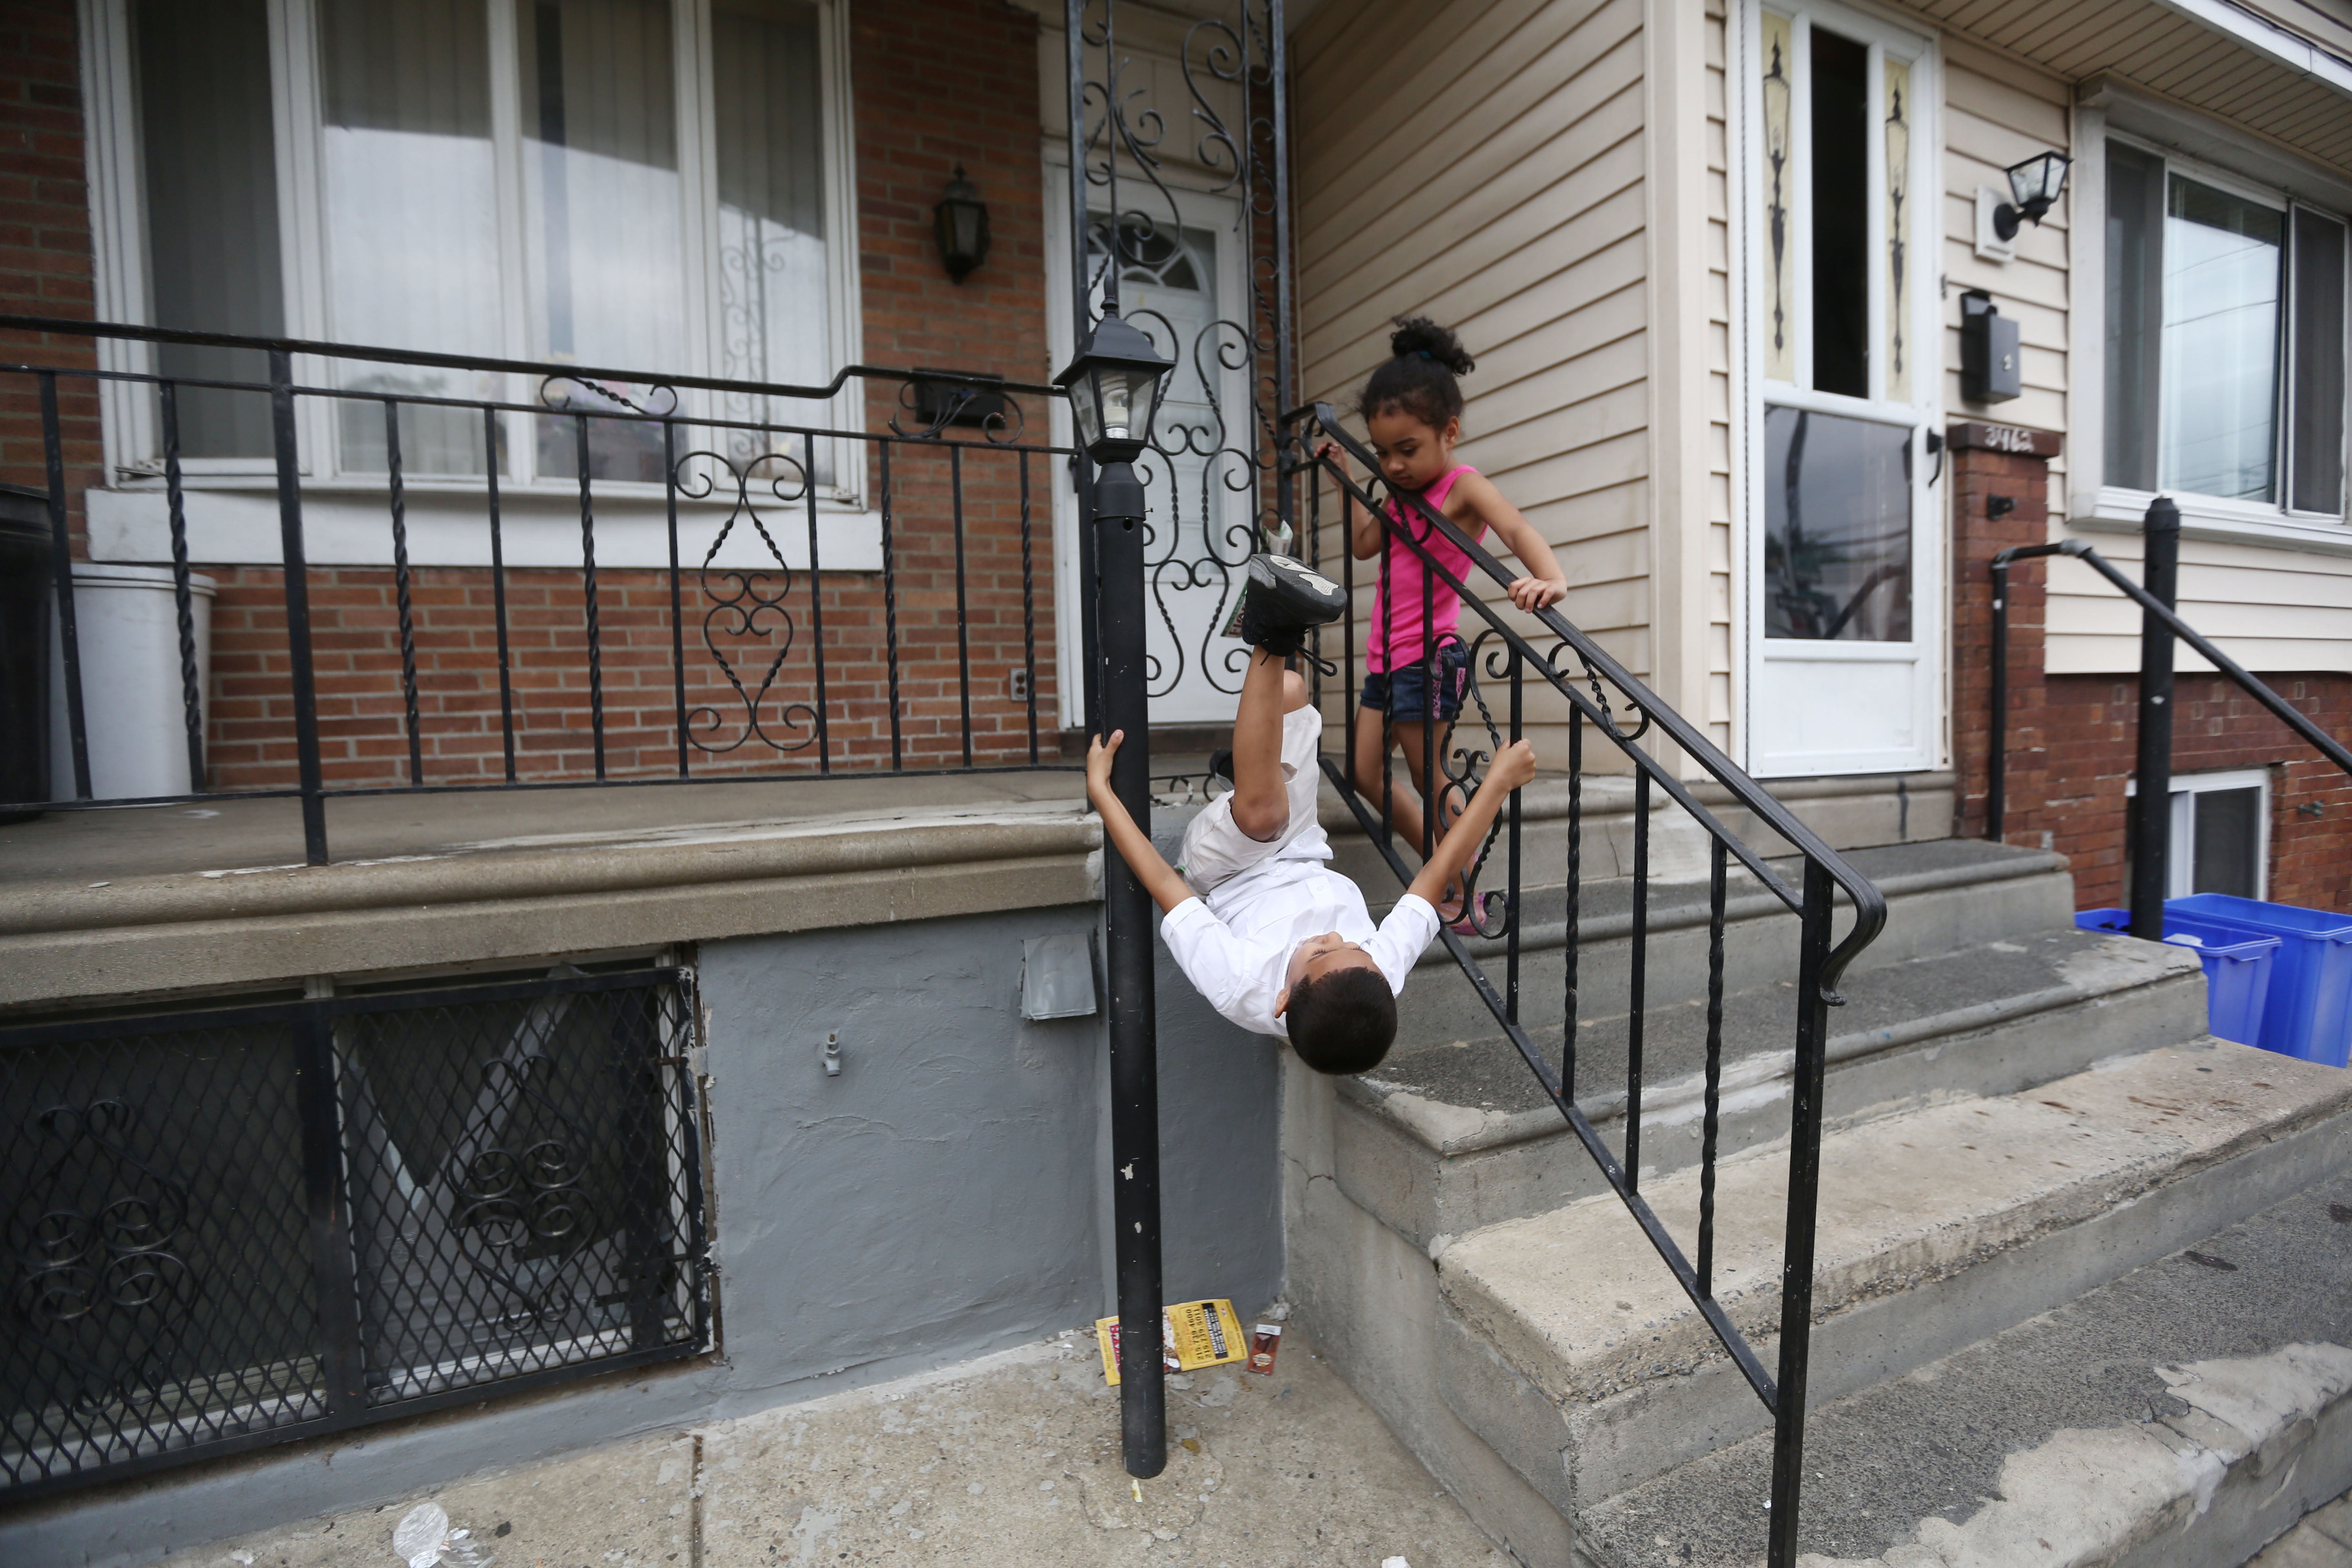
(1395, 639)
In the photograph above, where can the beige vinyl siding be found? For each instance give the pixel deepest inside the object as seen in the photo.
(1718, 555)
(1997, 112)
(1482, 164)
(2268, 609)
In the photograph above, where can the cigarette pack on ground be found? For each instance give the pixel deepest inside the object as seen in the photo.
(1192, 1334)
(1264, 1342)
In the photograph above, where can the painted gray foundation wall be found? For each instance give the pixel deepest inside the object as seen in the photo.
(943, 1197)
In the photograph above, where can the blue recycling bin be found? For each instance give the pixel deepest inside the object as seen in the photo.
(2240, 969)
(2309, 1014)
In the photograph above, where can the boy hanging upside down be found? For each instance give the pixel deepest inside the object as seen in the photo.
(1276, 940)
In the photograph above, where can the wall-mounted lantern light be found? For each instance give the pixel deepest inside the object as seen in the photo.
(2035, 187)
(1114, 382)
(959, 224)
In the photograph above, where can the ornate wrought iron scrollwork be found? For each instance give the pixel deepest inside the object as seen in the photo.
(747, 602)
(510, 1206)
(938, 401)
(103, 1284)
(1218, 479)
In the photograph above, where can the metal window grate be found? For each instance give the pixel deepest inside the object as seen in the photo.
(244, 1225)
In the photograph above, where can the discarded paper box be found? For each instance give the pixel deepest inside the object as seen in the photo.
(1192, 1334)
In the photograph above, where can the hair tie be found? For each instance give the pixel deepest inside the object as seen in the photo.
(1426, 355)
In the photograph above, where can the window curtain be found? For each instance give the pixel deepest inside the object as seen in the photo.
(211, 188)
(2135, 303)
(411, 217)
(2317, 424)
(769, 109)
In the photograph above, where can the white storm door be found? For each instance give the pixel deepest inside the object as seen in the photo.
(1844, 639)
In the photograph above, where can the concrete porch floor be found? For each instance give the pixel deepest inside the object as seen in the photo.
(1013, 1459)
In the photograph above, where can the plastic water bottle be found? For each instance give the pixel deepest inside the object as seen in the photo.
(423, 1539)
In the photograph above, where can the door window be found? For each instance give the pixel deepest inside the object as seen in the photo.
(1837, 527)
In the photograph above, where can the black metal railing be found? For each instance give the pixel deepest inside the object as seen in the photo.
(1603, 698)
(2150, 822)
(241, 1225)
(921, 655)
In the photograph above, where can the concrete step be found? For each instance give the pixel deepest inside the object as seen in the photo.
(1949, 894)
(2183, 1415)
(1447, 1136)
(1847, 812)
(1563, 1344)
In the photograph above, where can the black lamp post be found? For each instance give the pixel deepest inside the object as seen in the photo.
(959, 224)
(2035, 187)
(1114, 383)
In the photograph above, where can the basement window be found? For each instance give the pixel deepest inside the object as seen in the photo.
(2220, 833)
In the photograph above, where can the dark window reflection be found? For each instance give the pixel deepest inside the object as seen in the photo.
(1840, 214)
(1837, 528)
(2228, 837)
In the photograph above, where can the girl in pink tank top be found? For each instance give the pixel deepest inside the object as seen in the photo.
(1413, 410)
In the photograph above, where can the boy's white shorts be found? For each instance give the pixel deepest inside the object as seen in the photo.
(1215, 850)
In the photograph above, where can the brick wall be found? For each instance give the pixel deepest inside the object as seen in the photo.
(935, 83)
(2072, 738)
(45, 245)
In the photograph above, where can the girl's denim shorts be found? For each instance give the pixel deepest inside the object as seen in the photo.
(1403, 693)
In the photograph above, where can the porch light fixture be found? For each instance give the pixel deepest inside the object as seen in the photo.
(2035, 187)
(1114, 383)
(959, 224)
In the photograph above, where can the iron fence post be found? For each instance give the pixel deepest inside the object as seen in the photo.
(298, 605)
(1127, 963)
(2152, 806)
(1804, 1193)
(343, 1357)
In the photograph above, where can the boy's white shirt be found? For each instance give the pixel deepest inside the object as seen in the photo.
(1233, 941)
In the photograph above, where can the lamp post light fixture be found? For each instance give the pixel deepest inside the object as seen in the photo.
(2034, 187)
(1114, 383)
(959, 224)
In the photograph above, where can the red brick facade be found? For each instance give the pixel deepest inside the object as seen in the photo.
(934, 83)
(2072, 737)
(44, 244)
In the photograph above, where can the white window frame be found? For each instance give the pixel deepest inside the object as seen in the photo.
(2209, 151)
(2180, 860)
(231, 504)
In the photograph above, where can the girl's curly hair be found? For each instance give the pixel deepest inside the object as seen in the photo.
(1419, 379)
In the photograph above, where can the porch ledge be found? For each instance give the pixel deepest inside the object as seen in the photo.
(531, 896)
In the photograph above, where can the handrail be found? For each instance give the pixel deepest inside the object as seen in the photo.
(510, 366)
(1870, 905)
(1820, 965)
(2280, 708)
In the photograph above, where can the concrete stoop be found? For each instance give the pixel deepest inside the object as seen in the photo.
(2021, 1113)
(2181, 1415)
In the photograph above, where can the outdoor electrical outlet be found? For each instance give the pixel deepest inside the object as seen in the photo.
(830, 1054)
(1016, 686)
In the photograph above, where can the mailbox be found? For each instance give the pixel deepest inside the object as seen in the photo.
(1989, 356)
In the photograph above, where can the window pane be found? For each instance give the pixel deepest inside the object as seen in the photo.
(1837, 528)
(1840, 217)
(769, 110)
(212, 206)
(2229, 839)
(600, 175)
(2317, 427)
(2135, 302)
(411, 215)
(2221, 342)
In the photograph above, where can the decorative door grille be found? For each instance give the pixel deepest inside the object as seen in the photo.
(239, 1225)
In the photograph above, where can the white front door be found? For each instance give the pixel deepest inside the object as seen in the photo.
(1844, 553)
(1175, 280)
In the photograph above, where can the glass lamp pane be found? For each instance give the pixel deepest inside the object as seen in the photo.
(1086, 409)
(2222, 256)
(1837, 522)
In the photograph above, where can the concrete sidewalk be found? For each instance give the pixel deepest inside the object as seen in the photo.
(1010, 1460)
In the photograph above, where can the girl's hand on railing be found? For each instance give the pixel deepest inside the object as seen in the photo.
(1328, 452)
(1099, 754)
(1513, 767)
(1538, 593)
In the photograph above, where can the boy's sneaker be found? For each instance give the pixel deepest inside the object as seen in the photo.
(1282, 601)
